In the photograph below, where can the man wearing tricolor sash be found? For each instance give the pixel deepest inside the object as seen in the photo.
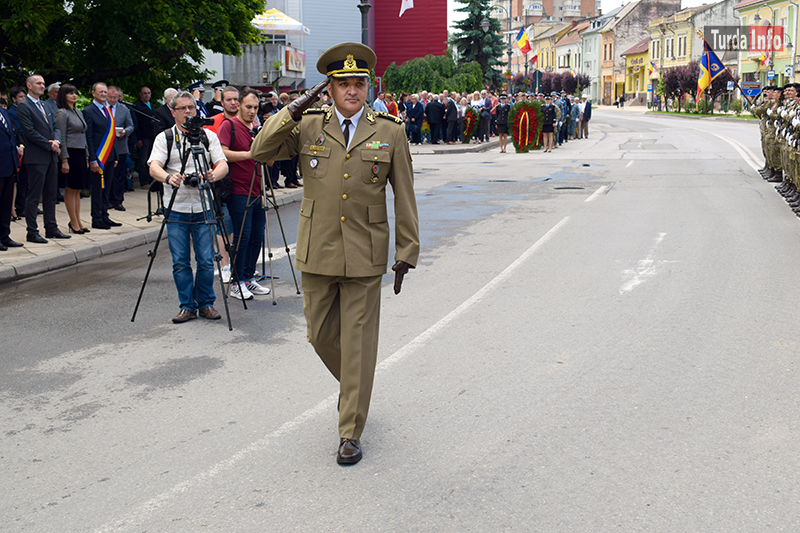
(100, 136)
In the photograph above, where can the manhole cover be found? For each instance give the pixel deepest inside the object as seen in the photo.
(502, 181)
(569, 188)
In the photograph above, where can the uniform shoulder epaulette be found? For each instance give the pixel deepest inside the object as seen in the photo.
(314, 111)
(389, 116)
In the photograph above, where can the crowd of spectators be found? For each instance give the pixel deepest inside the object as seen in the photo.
(434, 118)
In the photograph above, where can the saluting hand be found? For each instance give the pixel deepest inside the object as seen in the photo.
(305, 101)
(400, 270)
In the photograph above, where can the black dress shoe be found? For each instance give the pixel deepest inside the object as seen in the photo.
(35, 237)
(349, 452)
(11, 244)
(3, 247)
(119, 207)
(100, 225)
(111, 223)
(57, 235)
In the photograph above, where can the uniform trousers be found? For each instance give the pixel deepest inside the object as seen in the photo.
(343, 317)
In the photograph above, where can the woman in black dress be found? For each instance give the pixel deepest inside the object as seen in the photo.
(548, 122)
(74, 162)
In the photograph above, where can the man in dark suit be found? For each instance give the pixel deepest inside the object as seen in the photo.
(586, 116)
(40, 159)
(10, 154)
(164, 114)
(435, 113)
(16, 95)
(144, 135)
(97, 116)
(451, 115)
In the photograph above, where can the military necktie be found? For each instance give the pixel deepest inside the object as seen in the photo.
(346, 133)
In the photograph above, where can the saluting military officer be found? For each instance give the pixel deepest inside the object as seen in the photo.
(348, 154)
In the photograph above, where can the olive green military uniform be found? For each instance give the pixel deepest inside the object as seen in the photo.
(759, 110)
(773, 151)
(343, 236)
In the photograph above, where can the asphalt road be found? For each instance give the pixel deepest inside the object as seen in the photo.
(602, 338)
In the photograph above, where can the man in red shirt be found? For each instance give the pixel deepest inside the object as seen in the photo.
(235, 135)
(230, 106)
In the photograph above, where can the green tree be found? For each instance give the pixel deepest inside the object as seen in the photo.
(433, 73)
(156, 42)
(473, 44)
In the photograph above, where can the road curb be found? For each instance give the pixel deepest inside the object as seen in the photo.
(82, 253)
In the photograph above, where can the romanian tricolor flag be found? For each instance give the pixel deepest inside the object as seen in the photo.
(522, 41)
(652, 68)
(763, 59)
(104, 150)
(535, 58)
(710, 68)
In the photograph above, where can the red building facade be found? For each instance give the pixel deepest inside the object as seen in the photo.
(421, 31)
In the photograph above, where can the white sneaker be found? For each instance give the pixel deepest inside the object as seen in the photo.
(245, 294)
(226, 274)
(255, 288)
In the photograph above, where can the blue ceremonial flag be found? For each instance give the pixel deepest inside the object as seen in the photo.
(710, 68)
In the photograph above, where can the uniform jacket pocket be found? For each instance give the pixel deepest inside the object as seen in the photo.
(379, 233)
(304, 229)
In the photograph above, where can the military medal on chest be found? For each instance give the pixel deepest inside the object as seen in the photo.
(314, 162)
(375, 170)
(320, 139)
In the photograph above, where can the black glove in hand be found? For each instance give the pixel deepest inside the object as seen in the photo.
(306, 100)
(400, 269)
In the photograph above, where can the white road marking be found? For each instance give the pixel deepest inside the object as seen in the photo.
(749, 157)
(629, 163)
(645, 268)
(598, 192)
(140, 513)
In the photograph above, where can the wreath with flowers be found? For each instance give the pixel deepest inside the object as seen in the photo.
(525, 123)
(471, 121)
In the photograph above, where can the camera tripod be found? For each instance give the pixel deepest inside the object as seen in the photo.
(267, 200)
(212, 217)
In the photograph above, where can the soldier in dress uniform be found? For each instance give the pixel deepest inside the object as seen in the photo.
(759, 110)
(215, 106)
(348, 155)
(198, 91)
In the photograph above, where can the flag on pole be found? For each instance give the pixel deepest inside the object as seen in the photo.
(522, 41)
(405, 4)
(763, 59)
(710, 68)
(652, 69)
(535, 58)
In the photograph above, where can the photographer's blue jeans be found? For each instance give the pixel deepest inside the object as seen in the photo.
(248, 248)
(183, 230)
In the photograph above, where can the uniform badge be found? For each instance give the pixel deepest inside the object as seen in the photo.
(374, 178)
(320, 139)
(314, 162)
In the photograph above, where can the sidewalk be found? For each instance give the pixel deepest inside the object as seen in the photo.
(33, 259)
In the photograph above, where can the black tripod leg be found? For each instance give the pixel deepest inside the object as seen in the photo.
(152, 254)
(272, 200)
